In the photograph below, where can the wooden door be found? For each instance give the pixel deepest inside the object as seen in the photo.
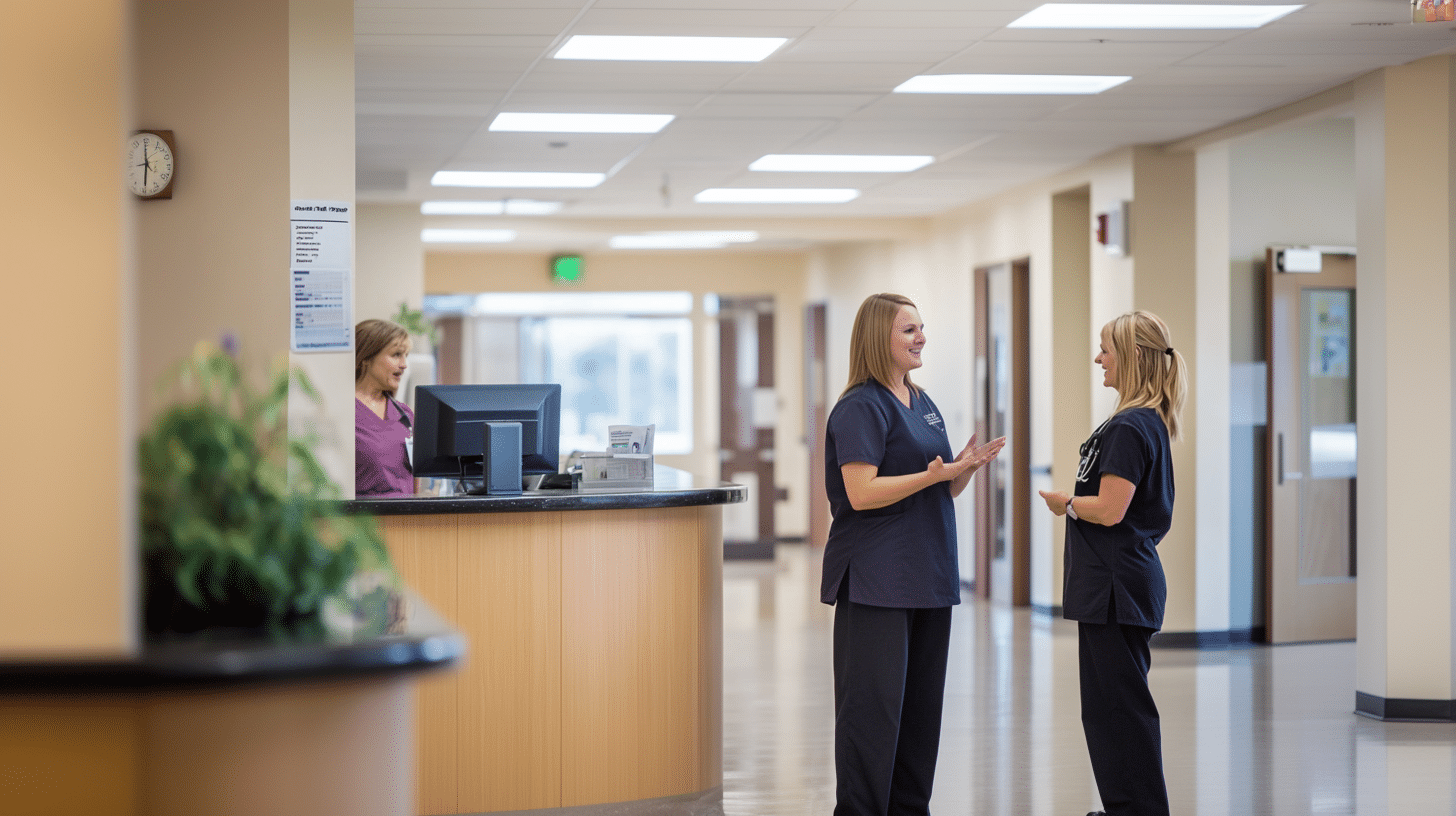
(816, 416)
(748, 411)
(1311, 461)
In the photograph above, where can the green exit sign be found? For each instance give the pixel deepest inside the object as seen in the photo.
(566, 268)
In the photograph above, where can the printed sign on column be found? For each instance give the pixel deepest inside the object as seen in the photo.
(321, 270)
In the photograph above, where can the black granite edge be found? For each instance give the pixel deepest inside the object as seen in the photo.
(1391, 709)
(537, 500)
(187, 665)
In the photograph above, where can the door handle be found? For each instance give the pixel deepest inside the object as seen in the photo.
(1282, 475)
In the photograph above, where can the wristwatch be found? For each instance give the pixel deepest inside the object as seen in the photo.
(1071, 511)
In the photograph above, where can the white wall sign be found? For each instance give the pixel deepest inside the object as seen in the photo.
(320, 270)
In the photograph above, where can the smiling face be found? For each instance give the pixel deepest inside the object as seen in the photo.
(383, 372)
(1107, 358)
(907, 338)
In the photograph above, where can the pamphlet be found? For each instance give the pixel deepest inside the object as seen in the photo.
(630, 438)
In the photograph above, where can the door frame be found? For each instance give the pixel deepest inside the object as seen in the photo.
(1016, 456)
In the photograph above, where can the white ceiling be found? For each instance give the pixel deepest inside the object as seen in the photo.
(432, 74)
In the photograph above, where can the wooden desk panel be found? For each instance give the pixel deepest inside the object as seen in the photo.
(594, 667)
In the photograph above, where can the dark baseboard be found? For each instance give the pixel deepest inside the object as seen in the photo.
(1053, 611)
(1225, 639)
(1389, 709)
(748, 549)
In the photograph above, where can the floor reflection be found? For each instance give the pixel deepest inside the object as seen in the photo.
(1256, 730)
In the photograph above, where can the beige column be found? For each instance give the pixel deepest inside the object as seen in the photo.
(321, 168)
(66, 586)
(1162, 237)
(1072, 329)
(1404, 168)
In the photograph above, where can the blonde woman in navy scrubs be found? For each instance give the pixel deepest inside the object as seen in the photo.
(890, 564)
(1121, 507)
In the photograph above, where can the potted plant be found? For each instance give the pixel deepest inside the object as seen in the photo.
(240, 525)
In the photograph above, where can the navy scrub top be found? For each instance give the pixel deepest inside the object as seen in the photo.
(902, 555)
(1118, 566)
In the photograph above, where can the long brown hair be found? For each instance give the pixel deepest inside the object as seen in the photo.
(1150, 372)
(372, 337)
(869, 341)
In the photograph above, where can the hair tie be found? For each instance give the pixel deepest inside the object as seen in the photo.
(1168, 351)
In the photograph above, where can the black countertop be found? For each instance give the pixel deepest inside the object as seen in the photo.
(412, 638)
(670, 488)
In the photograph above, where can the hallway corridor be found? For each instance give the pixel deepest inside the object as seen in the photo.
(1258, 730)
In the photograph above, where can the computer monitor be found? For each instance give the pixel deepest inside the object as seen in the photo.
(450, 426)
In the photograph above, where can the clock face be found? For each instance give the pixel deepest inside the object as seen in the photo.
(149, 165)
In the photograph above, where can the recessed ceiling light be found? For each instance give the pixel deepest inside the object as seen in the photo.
(1009, 84)
(669, 49)
(511, 206)
(775, 195)
(1129, 15)
(469, 178)
(467, 236)
(682, 240)
(807, 163)
(581, 122)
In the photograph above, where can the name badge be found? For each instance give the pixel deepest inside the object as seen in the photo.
(409, 453)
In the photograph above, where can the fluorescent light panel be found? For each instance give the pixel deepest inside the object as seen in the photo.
(682, 240)
(669, 49)
(1130, 15)
(581, 122)
(511, 206)
(470, 178)
(775, 195)
(467, 236)
(815, 163)
(1009, 84)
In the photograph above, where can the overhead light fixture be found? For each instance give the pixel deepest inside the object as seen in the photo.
(510, 206)
(669, 49)
(467, 236)
(775, 195)
(471, 178)
(812, 163)
(581, 122)
(682, 240)
(1131, 15)
(1009, 84)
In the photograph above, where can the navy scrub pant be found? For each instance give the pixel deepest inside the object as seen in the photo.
(1120, 719)
(889, 686)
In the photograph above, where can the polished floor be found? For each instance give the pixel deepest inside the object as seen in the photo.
(1259, 730)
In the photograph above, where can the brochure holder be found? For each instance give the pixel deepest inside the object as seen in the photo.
(615, 472)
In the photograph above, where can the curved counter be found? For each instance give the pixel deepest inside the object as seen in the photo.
(594, 628)
(223, 722)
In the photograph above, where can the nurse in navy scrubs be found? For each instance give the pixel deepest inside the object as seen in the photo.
(1120, 508)
(890, 564)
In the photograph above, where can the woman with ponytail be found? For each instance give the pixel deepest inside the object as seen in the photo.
(1120, 508)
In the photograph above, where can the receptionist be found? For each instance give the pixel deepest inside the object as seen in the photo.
(383, 426)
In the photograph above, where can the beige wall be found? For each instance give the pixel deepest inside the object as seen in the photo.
(66, 496)
(214, 258)
(780, 274)
(389, 261)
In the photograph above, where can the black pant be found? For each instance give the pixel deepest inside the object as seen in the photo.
(889, 686)
(1120, 719)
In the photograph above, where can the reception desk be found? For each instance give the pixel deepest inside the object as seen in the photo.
(594, 629)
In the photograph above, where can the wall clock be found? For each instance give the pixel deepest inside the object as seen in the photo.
(151, 163)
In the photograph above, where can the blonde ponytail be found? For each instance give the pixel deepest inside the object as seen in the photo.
(1150, 371)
